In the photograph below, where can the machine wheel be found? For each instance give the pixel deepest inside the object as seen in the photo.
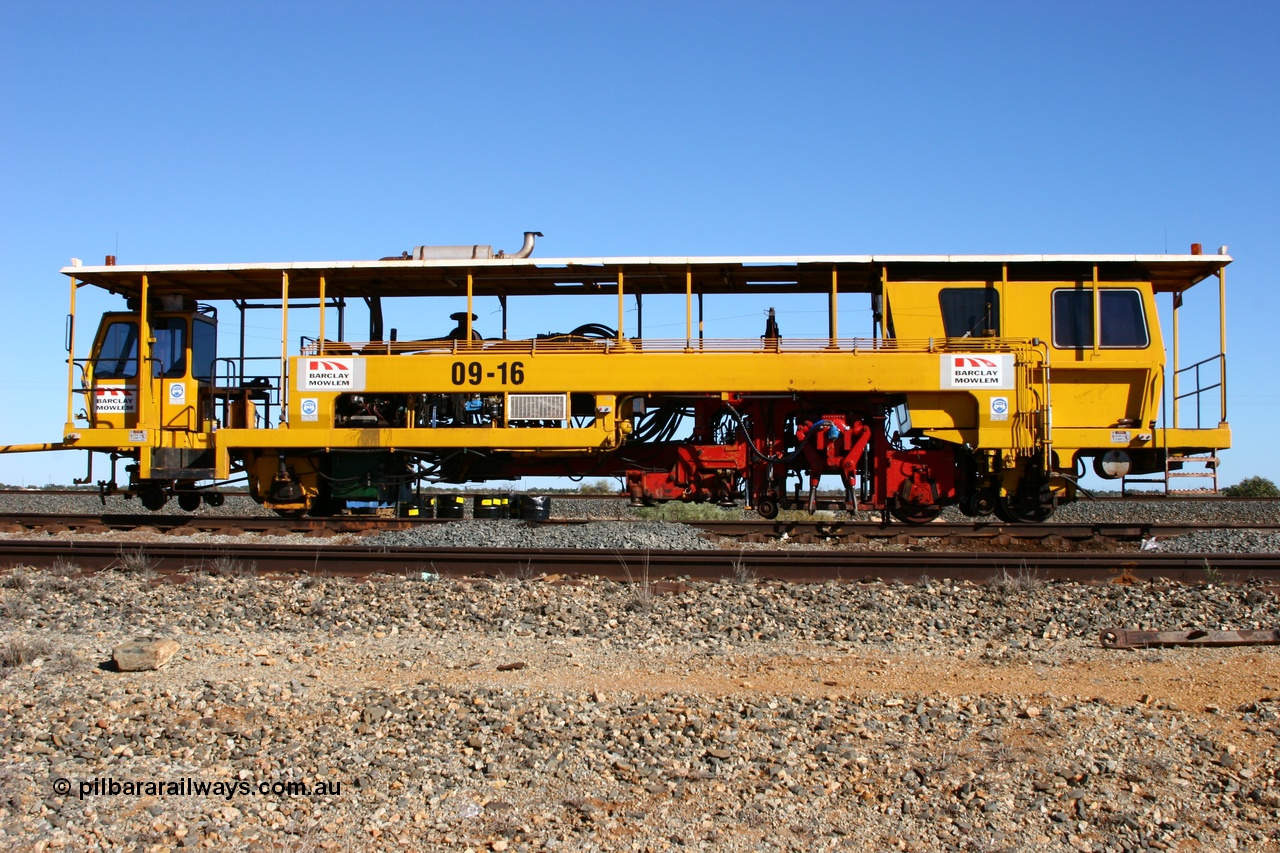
(768, 508)
(214, 499)
(978, 504)
(914, 513)
(189, 501)
(152, 498)
(1008, 511)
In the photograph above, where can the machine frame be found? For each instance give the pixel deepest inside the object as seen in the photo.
(1000, 418)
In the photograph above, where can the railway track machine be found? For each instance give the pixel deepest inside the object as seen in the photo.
(989, 382)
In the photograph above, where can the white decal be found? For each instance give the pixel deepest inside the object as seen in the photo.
(137, 436)
(1120, 436)
(993, 370)
(327, 374)
(310, 407)
(115, 399)
(178, 393)
(999, 408)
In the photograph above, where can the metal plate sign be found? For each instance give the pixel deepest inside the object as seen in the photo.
(325, 373)
(979, 370)
(115, 399)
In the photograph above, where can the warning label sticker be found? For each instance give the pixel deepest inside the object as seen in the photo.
(330, 374)
(115, 399)
(989, 370)
(999, 408)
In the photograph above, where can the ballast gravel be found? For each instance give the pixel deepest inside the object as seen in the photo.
(581, 714)
(503, 533)
(1212, 541)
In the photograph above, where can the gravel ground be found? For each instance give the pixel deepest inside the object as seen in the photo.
(1222, 542)
(631, 535)
(549, 714)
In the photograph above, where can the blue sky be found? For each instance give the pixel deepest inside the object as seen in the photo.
(237, 132)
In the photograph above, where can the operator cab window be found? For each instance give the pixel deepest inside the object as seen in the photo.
(1123, 326)
(170, 350)
(970, 312)
(204, 342)
(118, 355)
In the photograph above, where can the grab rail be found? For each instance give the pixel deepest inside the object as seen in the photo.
(1199, 389)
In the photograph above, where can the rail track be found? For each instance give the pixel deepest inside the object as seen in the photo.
(975, 551)
(756, 531)
(1136, 496)
(808, 566)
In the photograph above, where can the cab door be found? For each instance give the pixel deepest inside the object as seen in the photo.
(113, 373)
(181, 368)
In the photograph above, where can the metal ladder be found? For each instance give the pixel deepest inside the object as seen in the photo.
(1173, 468)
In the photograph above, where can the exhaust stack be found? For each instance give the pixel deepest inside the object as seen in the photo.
(470, 253)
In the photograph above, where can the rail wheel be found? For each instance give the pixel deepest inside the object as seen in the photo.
(189, 501)
(1014, 512)
(980, 503)
(768, 508)
(915, 513)
(152, 498)
(214, 499)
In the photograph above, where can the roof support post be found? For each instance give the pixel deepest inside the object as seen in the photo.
(240, 303)
(877, 305)
(145, 379)
(1222, 335)
(502, 301)
(470, 299)
(1004, 288)
(688, 304)
(621, 334)
(71, 360)
(284, 347)
(1177, 304)
(833, 325)
(320, 346)
(1097, 313)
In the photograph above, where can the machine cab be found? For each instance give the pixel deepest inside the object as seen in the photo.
(179, 375)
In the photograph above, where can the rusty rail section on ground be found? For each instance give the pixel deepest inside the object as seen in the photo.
(1120, 638)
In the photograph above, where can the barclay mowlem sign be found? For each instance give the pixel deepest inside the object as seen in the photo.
(330, 374)
(988, 370)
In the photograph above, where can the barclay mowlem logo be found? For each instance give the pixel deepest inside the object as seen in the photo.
(109, 399)
(977, 371)
(972, 361)
(324, 373)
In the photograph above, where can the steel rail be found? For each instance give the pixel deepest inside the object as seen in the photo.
(807, 566)
(757, 530)
(773, 529)
(1154, 496)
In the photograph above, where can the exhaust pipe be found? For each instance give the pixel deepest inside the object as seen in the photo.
(527, 249)
(471, 253)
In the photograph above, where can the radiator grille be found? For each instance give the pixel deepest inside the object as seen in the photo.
(537, 407)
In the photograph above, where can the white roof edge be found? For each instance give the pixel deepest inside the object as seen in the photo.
(745, 260)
